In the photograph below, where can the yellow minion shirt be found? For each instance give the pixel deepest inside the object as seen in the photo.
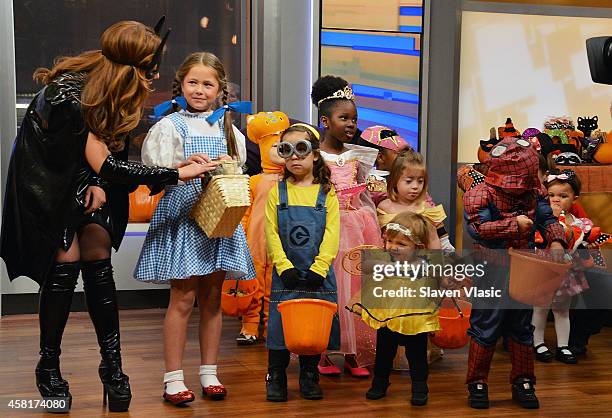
(303, 196)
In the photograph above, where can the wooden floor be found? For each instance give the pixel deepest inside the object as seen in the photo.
(564, 390)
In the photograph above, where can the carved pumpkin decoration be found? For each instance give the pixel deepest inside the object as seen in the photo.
(486, 146)
(603, 155)
(142, 205)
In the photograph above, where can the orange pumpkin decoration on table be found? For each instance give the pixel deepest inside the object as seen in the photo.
(486, 146)
(603, 155)
(142, 205)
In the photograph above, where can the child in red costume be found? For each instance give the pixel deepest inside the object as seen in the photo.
(503, 211)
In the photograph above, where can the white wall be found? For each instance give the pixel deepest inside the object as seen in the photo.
(527, 67)
(124, 262)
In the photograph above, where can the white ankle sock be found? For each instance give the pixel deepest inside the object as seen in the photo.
(174, 382)
(208, 375)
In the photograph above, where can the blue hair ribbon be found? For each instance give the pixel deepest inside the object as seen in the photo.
(239, 107)
(165, 107)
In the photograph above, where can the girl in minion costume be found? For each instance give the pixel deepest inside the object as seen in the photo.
(302, 236)
(264, 129)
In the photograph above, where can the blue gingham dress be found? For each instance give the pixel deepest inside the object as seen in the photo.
(175, 247)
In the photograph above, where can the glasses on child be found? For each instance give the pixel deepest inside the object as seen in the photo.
(301, 149)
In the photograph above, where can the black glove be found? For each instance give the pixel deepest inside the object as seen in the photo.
(129, 172)
(290, 278)
(314, 280)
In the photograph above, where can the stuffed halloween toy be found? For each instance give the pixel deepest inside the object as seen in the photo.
(587, 125)
(507, 130)
(264, 129)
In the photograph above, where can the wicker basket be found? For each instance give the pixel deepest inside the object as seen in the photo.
(223, 202)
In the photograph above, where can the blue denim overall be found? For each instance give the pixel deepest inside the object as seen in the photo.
(301, 230)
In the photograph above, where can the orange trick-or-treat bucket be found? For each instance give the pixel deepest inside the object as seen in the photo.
(454, 323)
(535, 280)
(237, 295)
(307, 324)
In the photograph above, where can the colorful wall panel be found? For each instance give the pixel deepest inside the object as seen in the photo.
(376, 46)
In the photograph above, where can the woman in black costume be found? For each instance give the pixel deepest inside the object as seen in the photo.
(66, 200)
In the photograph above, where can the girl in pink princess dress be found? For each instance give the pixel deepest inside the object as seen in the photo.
(350, 166)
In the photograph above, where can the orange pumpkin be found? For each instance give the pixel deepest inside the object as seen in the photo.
(237, 295)
(603, 155)
(142, 205)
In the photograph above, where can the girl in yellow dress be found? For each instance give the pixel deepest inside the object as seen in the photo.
(407, 191)
(403, 325)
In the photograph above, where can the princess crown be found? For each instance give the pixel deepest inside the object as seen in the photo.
(345, 93)
(404, 230)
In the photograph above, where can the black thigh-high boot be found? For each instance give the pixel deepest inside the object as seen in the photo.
(101, 300)
(53, 310)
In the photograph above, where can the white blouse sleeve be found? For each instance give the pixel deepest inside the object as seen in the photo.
(241, 145)
(163, 145)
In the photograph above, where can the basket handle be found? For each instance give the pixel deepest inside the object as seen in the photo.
(454, 302)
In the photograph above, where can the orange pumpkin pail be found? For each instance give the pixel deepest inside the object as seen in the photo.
(454, 321)
(237, 295)
(142, 205)
(307, 324)
(534, 280)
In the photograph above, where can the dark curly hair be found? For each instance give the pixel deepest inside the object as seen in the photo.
(573, 180)
(320, 171)
(326, 86)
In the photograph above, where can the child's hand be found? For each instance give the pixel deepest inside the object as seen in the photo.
(556, 210)
(95, 198)
(200, 158)
(290, 278)
(314, 280)
(194, 170)
(195, 158)
(557, 251)
(524, 223)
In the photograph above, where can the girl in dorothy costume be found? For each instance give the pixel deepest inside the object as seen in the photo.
(176, 251)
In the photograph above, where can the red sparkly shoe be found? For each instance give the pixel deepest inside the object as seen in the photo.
(180, 398)
(351, 366)
(214, 392)
(327, 367)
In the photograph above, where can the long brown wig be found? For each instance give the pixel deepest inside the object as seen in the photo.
(116, 88)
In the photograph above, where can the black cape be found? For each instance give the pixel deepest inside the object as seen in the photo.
(42, 181)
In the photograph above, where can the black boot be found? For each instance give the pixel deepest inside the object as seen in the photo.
(419, 393)
(378, 390)
(523, 393)
(479, 395)
(101, 299)
(53, 310)
(309, 378)
(276, 385)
